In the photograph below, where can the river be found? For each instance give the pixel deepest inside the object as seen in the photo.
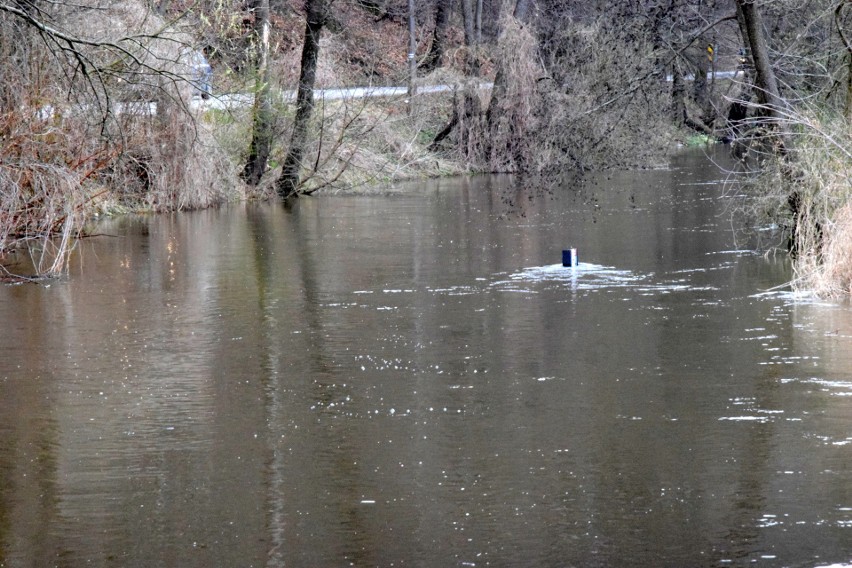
(413, 379)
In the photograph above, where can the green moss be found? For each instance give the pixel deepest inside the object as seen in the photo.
(699, 140)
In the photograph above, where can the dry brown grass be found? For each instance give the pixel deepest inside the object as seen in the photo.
(832, 277)
(823, 179)
(809, 195)
(76, 140)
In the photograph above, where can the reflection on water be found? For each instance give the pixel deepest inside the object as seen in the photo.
(412, 379)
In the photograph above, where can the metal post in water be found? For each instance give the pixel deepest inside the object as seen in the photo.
(569, 258)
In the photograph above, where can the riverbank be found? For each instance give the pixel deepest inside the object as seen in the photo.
(808, 194)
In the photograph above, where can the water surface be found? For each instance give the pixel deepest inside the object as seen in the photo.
(413, 379)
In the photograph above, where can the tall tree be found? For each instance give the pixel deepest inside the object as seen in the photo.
(261, 141)
(766, 83)
(315, 19)
(436, 50)
(838, 22)
(478, 18)
(470, 41)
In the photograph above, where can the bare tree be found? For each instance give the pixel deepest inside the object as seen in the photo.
(766, 83)
(478, 19)
(263, 119)
(470, 38)
(315, 19)
(436, 50)
(839, 24)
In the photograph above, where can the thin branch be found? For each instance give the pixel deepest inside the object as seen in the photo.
(663, 66)
(838, 12)
(70, 44)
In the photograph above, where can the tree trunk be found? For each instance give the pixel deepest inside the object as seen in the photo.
(412, 61)
(699, 84)
(522, 8)
(288, 184)
(478, 18)
(771, 106)
(471, 62)
(261, 141)
(436, 50)
(678, 93)
(848, 111)
(838, 21)
(766, 84)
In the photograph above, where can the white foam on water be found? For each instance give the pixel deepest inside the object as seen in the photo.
(788, 296)
(761, 419)
(829, 384)
(455, 290)
(585, 275)
(588, 276)
(737, 252)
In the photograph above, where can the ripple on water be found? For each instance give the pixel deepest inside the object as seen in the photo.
(747, 410)
(832, 387)
(587, 276)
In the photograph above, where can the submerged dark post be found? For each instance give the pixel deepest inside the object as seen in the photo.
(569, 257)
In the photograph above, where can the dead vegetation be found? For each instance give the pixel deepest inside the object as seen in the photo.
(94, 115)
(794, 139)
(543, 120)
(114, 130)
(817, 228)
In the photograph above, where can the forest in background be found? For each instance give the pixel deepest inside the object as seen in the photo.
(100, 110)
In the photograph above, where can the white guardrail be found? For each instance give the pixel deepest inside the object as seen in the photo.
(241, 100)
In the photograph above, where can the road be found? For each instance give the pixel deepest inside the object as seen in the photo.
(229, 101)
(242, 100)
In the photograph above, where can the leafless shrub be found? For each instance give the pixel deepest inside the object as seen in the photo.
(832, 277)
(95, 111)
(41, 211)
(807, 194)
(582, 120)
(822, 234)
(173, 166)
(356, 142)
(510, 120)
(587, 121)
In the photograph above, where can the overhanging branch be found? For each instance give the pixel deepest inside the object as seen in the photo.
(661, 68)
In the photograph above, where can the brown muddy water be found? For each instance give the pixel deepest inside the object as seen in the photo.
(414, 380)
